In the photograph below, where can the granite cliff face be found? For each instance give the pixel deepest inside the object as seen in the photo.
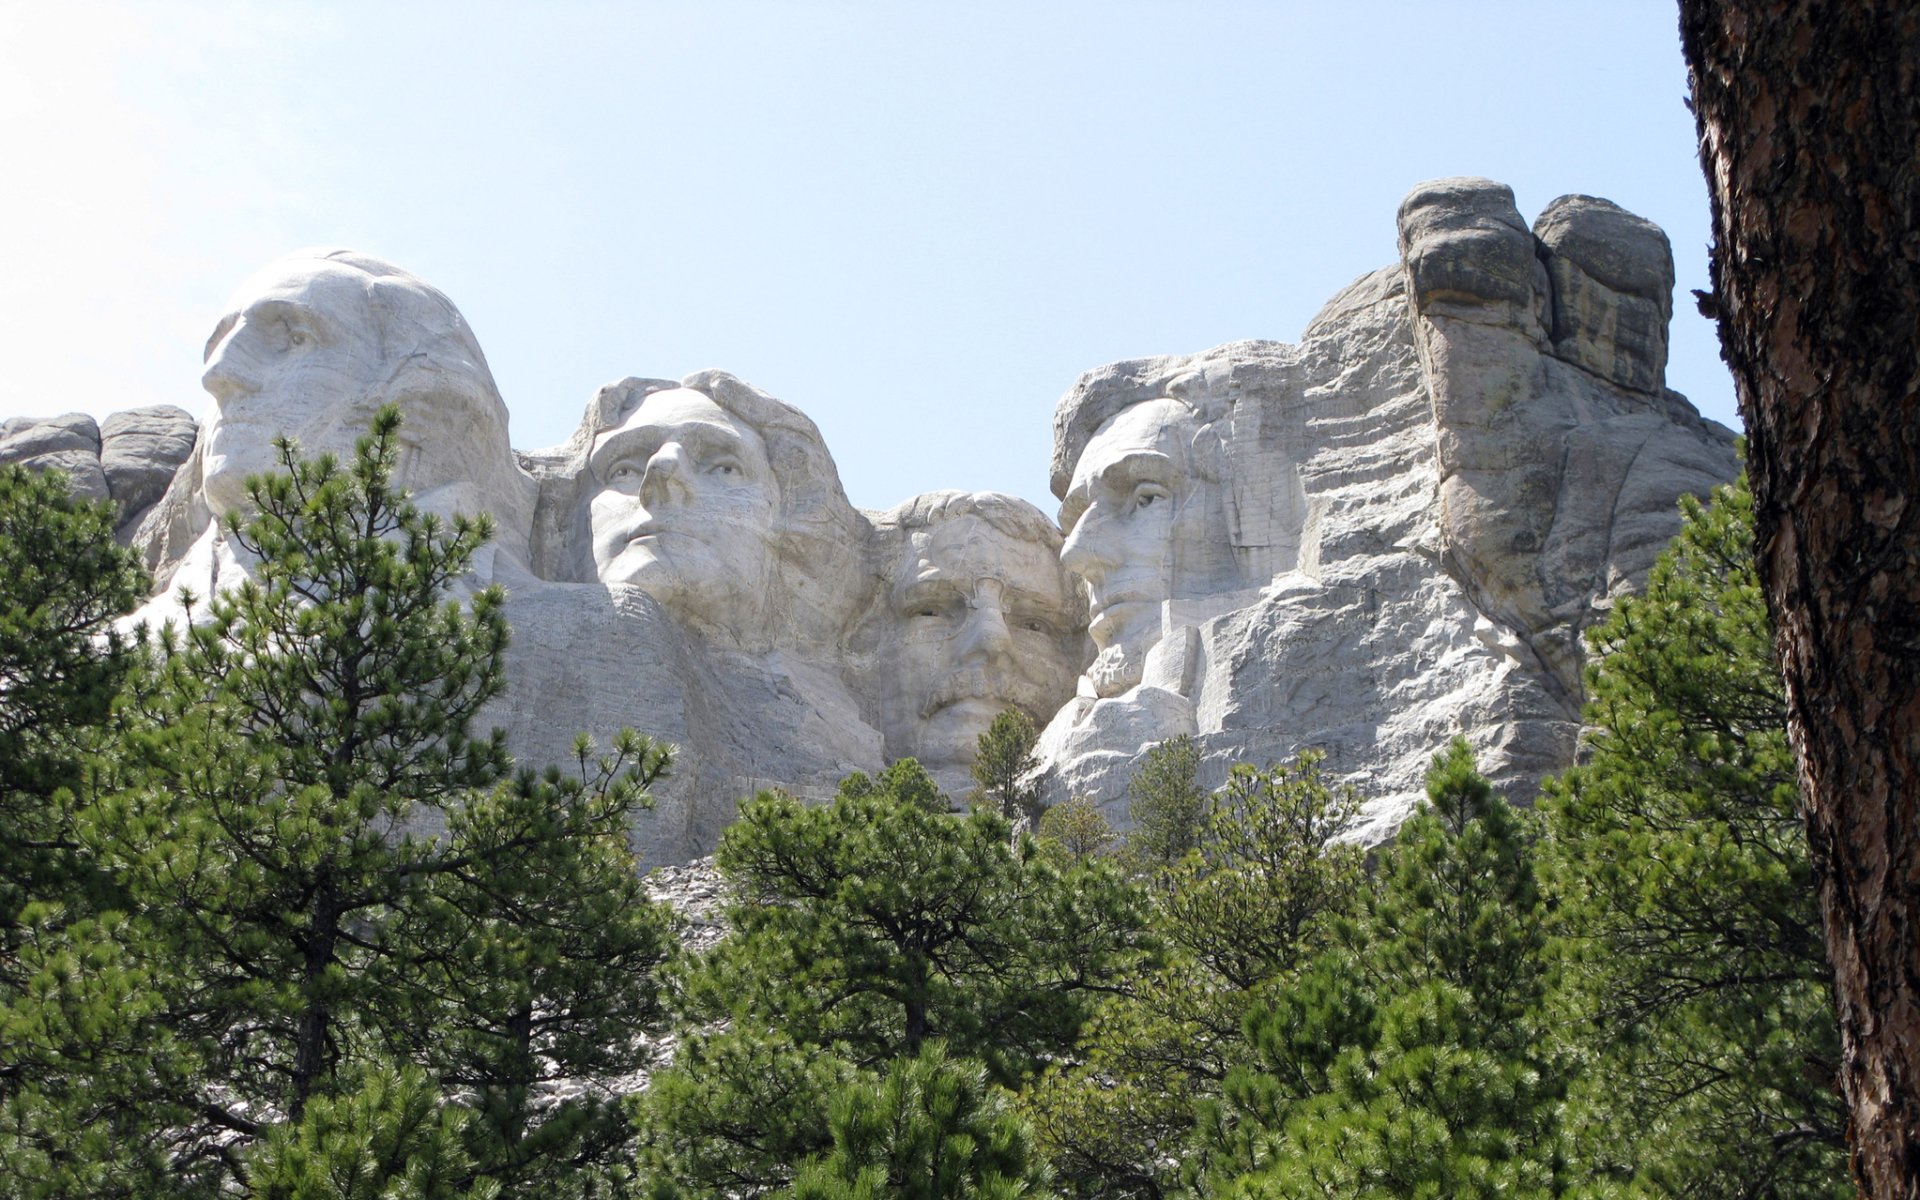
(1390, 532)
(1397, 529)
(129, 458)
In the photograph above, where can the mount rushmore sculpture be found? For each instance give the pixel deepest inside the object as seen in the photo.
(1393, 531)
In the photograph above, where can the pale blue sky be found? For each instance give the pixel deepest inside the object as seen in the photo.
(916, 222)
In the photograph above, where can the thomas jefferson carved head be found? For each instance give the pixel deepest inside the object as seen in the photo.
(686, 507)
(722, 503)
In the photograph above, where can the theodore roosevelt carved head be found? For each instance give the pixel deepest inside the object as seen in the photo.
(981, 618)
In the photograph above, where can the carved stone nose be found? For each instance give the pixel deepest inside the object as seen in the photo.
(985, 636)
(666, 476)
(230, 372)
(1087, 552)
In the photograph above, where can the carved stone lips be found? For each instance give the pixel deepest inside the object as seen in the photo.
(971, 683)
(1108, 615)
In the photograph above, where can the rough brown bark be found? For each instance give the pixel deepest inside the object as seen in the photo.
(1809, 118)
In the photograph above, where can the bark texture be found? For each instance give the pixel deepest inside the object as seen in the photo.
(1809, 119)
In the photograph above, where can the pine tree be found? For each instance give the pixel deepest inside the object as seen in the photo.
(69, 994)
(1075, 829)
(903, 781)
(1677, 858)
(874, 925)
(1242, 912)
(1005, 767)
(327, 874)
(862, 931)
(932, 1129)
(393, 1135)
(1167, 804)
(62, 582)
(1414, 1059)
(536, 963)
(1269, 867)
(95, 1086)
(738, 1109)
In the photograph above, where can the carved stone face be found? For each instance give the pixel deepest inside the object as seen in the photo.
(686, 509)
(1144, 527)
(984, 624)
(298, 353)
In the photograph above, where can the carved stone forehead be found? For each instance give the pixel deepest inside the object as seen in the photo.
(332, 290)
(672, 410)
(1164, 426)
(319, 278)
(1012, 515)
(972, 545)
(363, 297)
(1201, 381)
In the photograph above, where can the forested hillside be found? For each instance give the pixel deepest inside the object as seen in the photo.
(276, 920)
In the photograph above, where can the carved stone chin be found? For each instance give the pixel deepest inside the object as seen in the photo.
(1116, 669)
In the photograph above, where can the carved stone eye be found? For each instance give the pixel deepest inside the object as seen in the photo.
(295, 335)
(1146, 495)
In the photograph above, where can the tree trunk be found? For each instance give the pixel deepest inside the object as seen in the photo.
(314, 1031)
(1809, 118)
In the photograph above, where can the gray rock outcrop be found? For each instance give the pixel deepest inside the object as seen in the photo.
(129, 460)
(69, 443)
(140, 451)
(1395, 530)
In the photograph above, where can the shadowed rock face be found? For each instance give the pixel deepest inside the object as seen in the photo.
(1389, 532)
(1561, 454)
(69, 443)
(140, 451)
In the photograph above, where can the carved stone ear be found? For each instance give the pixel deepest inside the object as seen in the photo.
(1207, 454)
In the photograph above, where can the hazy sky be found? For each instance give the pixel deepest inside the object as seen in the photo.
(916, 222)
